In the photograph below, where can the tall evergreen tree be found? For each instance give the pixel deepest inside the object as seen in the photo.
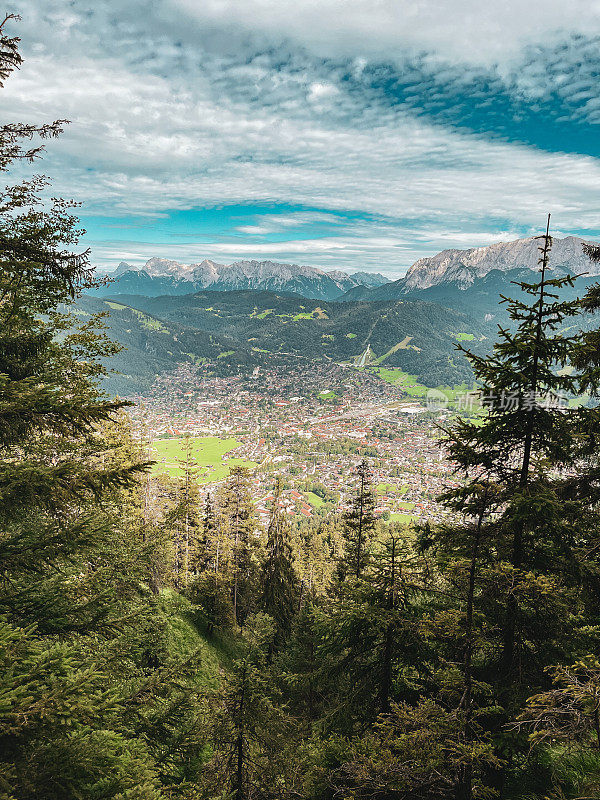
(184, 518)
(517, 554)
(280, 588)
(239, 519)
(359, 524)
(251, 731)
(73, 607)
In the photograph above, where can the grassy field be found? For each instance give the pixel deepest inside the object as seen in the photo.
(314, 499)
(408, 383)
(327, 395)
(406, 518)
(386, 488)
(208, 451)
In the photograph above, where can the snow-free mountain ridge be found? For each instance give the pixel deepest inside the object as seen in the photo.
(464, 266)
(165, 276)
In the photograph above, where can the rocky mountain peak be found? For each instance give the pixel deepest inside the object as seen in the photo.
(464, 266)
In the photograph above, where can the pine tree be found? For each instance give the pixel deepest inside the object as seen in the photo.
(319, 550)
(359, 524)
(252, 733)
(516, 554)
(184, 518)
(239, 519)
(279, 581)
(73, 606)
(211, 589)
(373, 638)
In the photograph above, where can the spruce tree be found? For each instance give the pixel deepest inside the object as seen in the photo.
(239, 520)
(85, 711)
(359, 524)
(280, 588)
(184, 518)
(514, 558)
(251, 731)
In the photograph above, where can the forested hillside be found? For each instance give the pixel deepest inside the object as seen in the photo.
(155, 647)
(417, 337)
(151, 346)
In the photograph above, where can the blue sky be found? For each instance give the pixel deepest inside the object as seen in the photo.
(346, 134)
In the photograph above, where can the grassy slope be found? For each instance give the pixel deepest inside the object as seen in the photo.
(186, 638)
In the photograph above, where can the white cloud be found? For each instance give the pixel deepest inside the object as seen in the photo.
(175, 105)
(464, 31)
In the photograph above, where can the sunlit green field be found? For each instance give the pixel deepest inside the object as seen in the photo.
(405, 518)
(403, 380)
(409, 384)
(386, 488)
(207, 451)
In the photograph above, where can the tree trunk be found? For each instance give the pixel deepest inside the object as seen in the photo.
(239, 745)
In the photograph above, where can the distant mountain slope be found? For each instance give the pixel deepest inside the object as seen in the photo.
(152, 346)
(415, 336)
(464, 266)
(160, 276)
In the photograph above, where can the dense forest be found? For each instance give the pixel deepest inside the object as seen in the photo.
(155, 646)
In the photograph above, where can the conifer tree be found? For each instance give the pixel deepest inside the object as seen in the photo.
(251, 731)
(359, 524)
(239, 519)
(207, 556)
(185, 516)
(73, 607)
(211, 587)
(516, 552)
(373, 638)
(279, 581)
(318, 552)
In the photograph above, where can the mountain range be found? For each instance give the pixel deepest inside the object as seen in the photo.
(253, 312)
(461, 269)
(478, 270)
(162, 276)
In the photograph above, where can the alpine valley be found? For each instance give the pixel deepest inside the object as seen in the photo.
(252, 313)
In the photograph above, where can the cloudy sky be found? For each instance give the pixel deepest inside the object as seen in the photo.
(353, 134)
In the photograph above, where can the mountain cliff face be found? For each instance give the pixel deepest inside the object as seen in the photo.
(463, 267)
(455, 273)
(161, 276)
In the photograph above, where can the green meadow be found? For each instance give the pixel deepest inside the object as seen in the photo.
(207, 451)
(314, 499)
(405, 518)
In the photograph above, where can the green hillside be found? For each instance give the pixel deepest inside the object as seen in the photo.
(414, 336)
(151, 345)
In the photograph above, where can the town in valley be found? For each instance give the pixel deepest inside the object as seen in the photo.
(310, 425)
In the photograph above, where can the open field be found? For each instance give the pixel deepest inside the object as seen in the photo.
(405, 518)
(207, 451)
(314, 499)
(408, 383)
(386, 488)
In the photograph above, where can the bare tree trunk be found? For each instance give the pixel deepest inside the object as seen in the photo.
(239, 745)
(464, 789)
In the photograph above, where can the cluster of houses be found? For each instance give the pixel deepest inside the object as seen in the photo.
(281, 423)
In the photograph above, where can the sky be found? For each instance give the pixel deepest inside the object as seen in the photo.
(342, 134)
